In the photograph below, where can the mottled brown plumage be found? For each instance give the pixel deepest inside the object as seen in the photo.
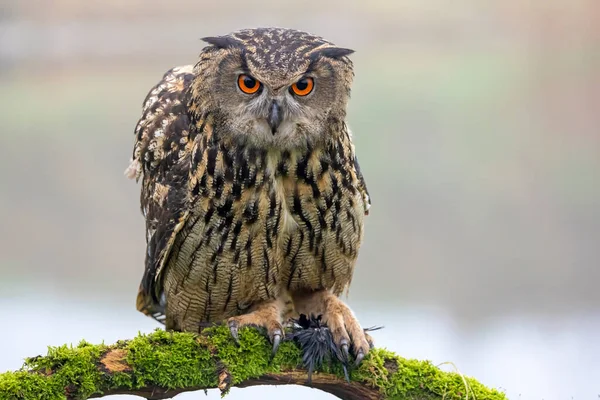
(248, 216)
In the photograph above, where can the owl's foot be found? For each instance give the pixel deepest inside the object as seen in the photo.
(345, 328)
(267, 315)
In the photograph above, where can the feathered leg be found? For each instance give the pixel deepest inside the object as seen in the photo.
(267, 314)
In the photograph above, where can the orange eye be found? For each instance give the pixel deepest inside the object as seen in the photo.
(303, 87)
(248, 84)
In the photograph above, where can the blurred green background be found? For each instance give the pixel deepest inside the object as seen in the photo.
(477, 124)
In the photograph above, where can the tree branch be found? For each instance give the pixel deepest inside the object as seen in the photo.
(162, 364)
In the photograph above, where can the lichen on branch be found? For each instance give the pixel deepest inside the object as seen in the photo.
(162, 364)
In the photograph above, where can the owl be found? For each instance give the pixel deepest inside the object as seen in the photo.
(252, 194)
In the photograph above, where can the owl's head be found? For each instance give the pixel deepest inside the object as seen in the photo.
(272, 87)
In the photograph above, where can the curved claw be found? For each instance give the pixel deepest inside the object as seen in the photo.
(345, 352)
(276, 341)
(346, 376)
(359, 357)
(233, 328)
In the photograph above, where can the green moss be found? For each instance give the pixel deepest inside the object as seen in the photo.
(170, 360)
(180, 360)
(288, 357)
(400, 378)
(248, 360)
(65, 370)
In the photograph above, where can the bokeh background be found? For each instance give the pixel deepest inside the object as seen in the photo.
(477, 124)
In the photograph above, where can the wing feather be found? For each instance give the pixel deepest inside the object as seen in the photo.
(161, 158)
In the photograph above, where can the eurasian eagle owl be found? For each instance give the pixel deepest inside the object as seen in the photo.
(252, 193)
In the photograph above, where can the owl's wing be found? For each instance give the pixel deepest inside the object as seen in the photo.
(161, 158)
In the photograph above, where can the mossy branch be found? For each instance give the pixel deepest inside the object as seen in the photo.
(162, 364)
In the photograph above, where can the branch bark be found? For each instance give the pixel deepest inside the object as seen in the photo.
(326, 382)
(163, 364)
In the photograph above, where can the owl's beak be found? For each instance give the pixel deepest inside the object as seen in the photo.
(275, 116)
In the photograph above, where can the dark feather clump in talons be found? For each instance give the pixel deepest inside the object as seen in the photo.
(316, 341)
(317, 344)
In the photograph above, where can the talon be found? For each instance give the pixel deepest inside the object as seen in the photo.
(233, 328)
(359, 357)
(346, 376)
(276, 341)
(345, 352)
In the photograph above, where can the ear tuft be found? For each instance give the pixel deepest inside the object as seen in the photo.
(222, 42)
(335, 52)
